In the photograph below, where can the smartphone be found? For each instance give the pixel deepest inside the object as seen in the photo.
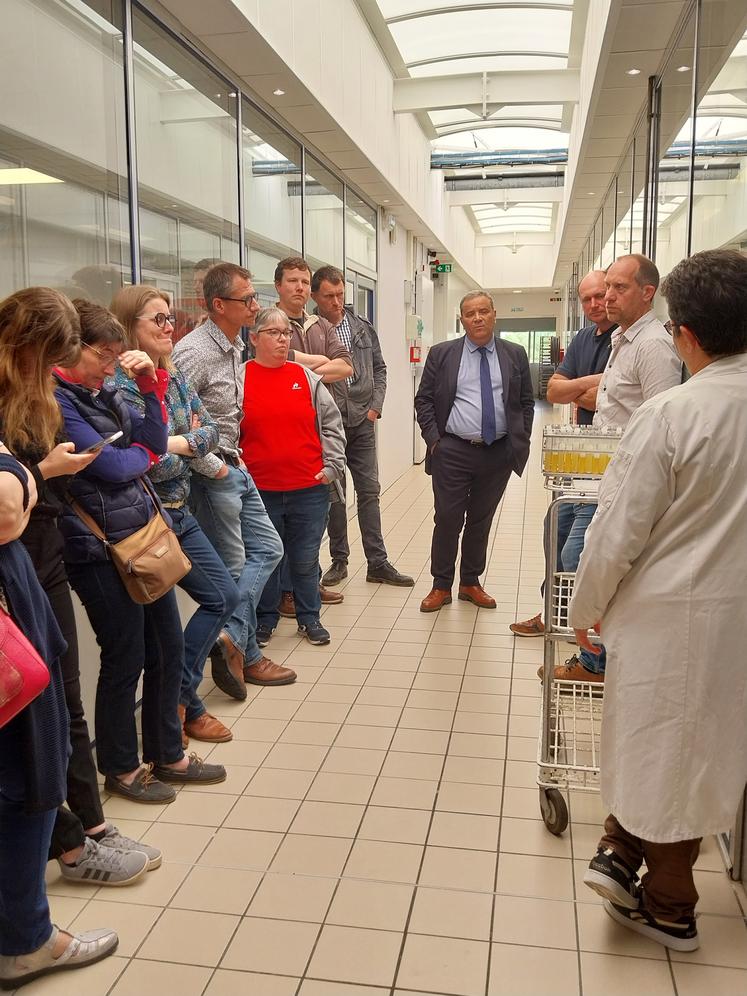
(102, 443)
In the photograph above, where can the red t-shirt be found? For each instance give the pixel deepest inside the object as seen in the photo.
(279, 440)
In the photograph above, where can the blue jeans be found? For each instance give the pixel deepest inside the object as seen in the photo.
(234, 519)
(583, 513)
(134, 640)
(24, 844)
(300, 518)
(214, 590)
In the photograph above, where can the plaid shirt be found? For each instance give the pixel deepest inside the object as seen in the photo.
(345, 336)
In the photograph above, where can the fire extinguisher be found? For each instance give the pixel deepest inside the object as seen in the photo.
(415, 354)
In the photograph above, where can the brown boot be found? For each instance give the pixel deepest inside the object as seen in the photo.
(208, 729)
(287, 607)
(267, 672)
(330, 597)
(182, 712)
(227, 667)
(476, 594)
(435, 598)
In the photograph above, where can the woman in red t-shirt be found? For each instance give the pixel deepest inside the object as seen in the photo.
(293, 444)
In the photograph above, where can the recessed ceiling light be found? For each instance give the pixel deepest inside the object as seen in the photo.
(23, 174)
(279, 92)
(590, 193)
(683, 69)
(633, 72)
(517, 292)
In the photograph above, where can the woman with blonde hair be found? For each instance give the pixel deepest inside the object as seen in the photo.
(193, 435)
(39, 328)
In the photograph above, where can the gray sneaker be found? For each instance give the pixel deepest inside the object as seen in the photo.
(113, 838)
(84, 949)
(99, 865)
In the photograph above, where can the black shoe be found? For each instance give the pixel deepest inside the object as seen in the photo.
(614, 880)
(680, 935)
(337, 572)
(197, 772)
(314, 632)
(386, 573)
(263, 634)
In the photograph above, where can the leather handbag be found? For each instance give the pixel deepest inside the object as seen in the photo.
(150, 561)
(23, 674)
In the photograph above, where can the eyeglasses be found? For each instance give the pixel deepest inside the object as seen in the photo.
(277, 333)
(160, 319)
(246, 301)
(671, 326)
(106, 358)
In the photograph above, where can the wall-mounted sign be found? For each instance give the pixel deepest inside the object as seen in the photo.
(443, 268)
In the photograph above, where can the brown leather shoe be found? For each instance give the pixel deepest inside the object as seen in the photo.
(330, 597)
(227, 667)
(182, 712)
(530, 627)
(267, 672)
(287, 605)
(476, 594)
(209, 729)
(435, 598)
(572, 670)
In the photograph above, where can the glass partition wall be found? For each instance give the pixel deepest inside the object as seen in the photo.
(681, 185)
(141, 161)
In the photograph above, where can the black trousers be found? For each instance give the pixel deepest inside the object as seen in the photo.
(468, 483)
(82, 787)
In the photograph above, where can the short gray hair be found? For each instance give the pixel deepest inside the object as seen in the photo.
(472, 295)
(268, 316)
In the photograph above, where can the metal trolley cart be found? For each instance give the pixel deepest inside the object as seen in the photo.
(573, 461)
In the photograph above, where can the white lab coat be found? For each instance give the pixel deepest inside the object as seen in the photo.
(664, 567)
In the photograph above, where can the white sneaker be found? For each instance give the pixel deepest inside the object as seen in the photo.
(84, 949)
(99, 865)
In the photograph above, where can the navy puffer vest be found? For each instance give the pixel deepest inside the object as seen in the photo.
(118, 508)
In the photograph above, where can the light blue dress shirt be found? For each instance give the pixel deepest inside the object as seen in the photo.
(465, 417)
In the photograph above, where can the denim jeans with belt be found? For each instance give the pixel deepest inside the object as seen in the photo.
(583, 513)
(300, 518)
(24, 843)
(134, 640)
(232, 515)
(212, 587)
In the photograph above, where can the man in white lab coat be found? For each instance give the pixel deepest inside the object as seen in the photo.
(664, 570)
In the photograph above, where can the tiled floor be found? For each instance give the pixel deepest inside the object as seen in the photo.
(379, 831)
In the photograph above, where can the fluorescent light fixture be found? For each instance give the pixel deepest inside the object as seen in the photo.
(683, 69)
(279, 92)
(21, 174)
(633, 72)
(517, 292)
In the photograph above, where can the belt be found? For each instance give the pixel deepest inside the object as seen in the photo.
(231, 458)
(473, 442)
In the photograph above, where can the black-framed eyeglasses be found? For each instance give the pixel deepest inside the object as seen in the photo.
(105, 358)
(160, 319)
(277, 333)
(246, 301)
(671, 327)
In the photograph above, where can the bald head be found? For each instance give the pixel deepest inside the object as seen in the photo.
(591, 293)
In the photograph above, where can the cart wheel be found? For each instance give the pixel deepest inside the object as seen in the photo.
(554, 810)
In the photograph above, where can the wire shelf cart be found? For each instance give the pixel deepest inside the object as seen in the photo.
(573, 460)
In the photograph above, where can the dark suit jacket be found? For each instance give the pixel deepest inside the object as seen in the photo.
(435, 397)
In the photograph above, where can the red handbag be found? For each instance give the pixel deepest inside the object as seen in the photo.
(23, 674)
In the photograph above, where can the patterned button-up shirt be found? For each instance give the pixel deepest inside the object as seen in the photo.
(345, 335)
(214, 366)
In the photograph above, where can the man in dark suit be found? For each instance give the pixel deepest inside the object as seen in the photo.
(475, 407)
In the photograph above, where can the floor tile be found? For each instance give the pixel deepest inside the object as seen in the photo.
(273, 946)
(154, 889)
(292, 897)
(190, 937)
(415, 793)
(599, 932)
(529, 971)
(384, 862)
(280, 783)
(373, 737)
(354, 761)
(406, 826)
(329, 819)
(449, 913)
(444, 964)
(695, 980)
(610, 975)
(227, 983)
(457, 868)
(425, 719)
(532, 837)
(420, 741)
(303, 854)
(312, 987)
(464, 830)
(261, 813)
(321, 734)
(336, 787)
(403, 764)
(355, 954)
(528, 875)
(179, 843)
(517, 920)
(252, 849)
(132, 922)
(459, 797)
(380, 905)
(149, 977)
(477, 770)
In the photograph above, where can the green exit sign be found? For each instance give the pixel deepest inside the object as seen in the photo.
(443, 268)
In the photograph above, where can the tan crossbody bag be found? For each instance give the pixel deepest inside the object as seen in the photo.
(150, 561)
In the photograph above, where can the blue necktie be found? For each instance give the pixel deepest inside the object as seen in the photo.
(489, 431)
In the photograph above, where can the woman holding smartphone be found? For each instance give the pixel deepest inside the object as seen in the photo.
(39, 328)
(147, 320)
(134, 639)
